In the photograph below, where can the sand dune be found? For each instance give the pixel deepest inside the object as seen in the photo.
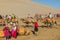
(23, 7)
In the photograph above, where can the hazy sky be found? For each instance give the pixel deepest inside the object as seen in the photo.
(52, 3)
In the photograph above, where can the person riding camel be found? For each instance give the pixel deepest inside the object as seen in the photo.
(50, 15)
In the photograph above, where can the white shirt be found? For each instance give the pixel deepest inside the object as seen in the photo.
(14, 28)
(50, 16)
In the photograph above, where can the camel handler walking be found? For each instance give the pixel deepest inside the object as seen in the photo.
(36, 28)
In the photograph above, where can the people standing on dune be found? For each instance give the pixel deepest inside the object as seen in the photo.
(14, 31)
(7, 32)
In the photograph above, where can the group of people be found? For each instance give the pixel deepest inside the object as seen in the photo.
(7, 16)
(42, 16)
(14, 32)
(37, 17)
(8, 19)
(8, 33)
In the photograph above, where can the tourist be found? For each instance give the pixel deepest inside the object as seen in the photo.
(6, 32)
(36, 27)
(50, 15)
(14, 31)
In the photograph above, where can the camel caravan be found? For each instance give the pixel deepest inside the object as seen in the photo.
(48, 20)
(7, 19)
(12, 27)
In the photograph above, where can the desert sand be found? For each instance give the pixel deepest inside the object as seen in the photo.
(22, 8)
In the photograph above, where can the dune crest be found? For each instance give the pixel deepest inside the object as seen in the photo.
(23, 7)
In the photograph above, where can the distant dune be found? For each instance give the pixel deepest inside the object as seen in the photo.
(23, 7)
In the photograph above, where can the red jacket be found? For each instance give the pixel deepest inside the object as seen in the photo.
(6, 31)
(36, 25)
(14, 33)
